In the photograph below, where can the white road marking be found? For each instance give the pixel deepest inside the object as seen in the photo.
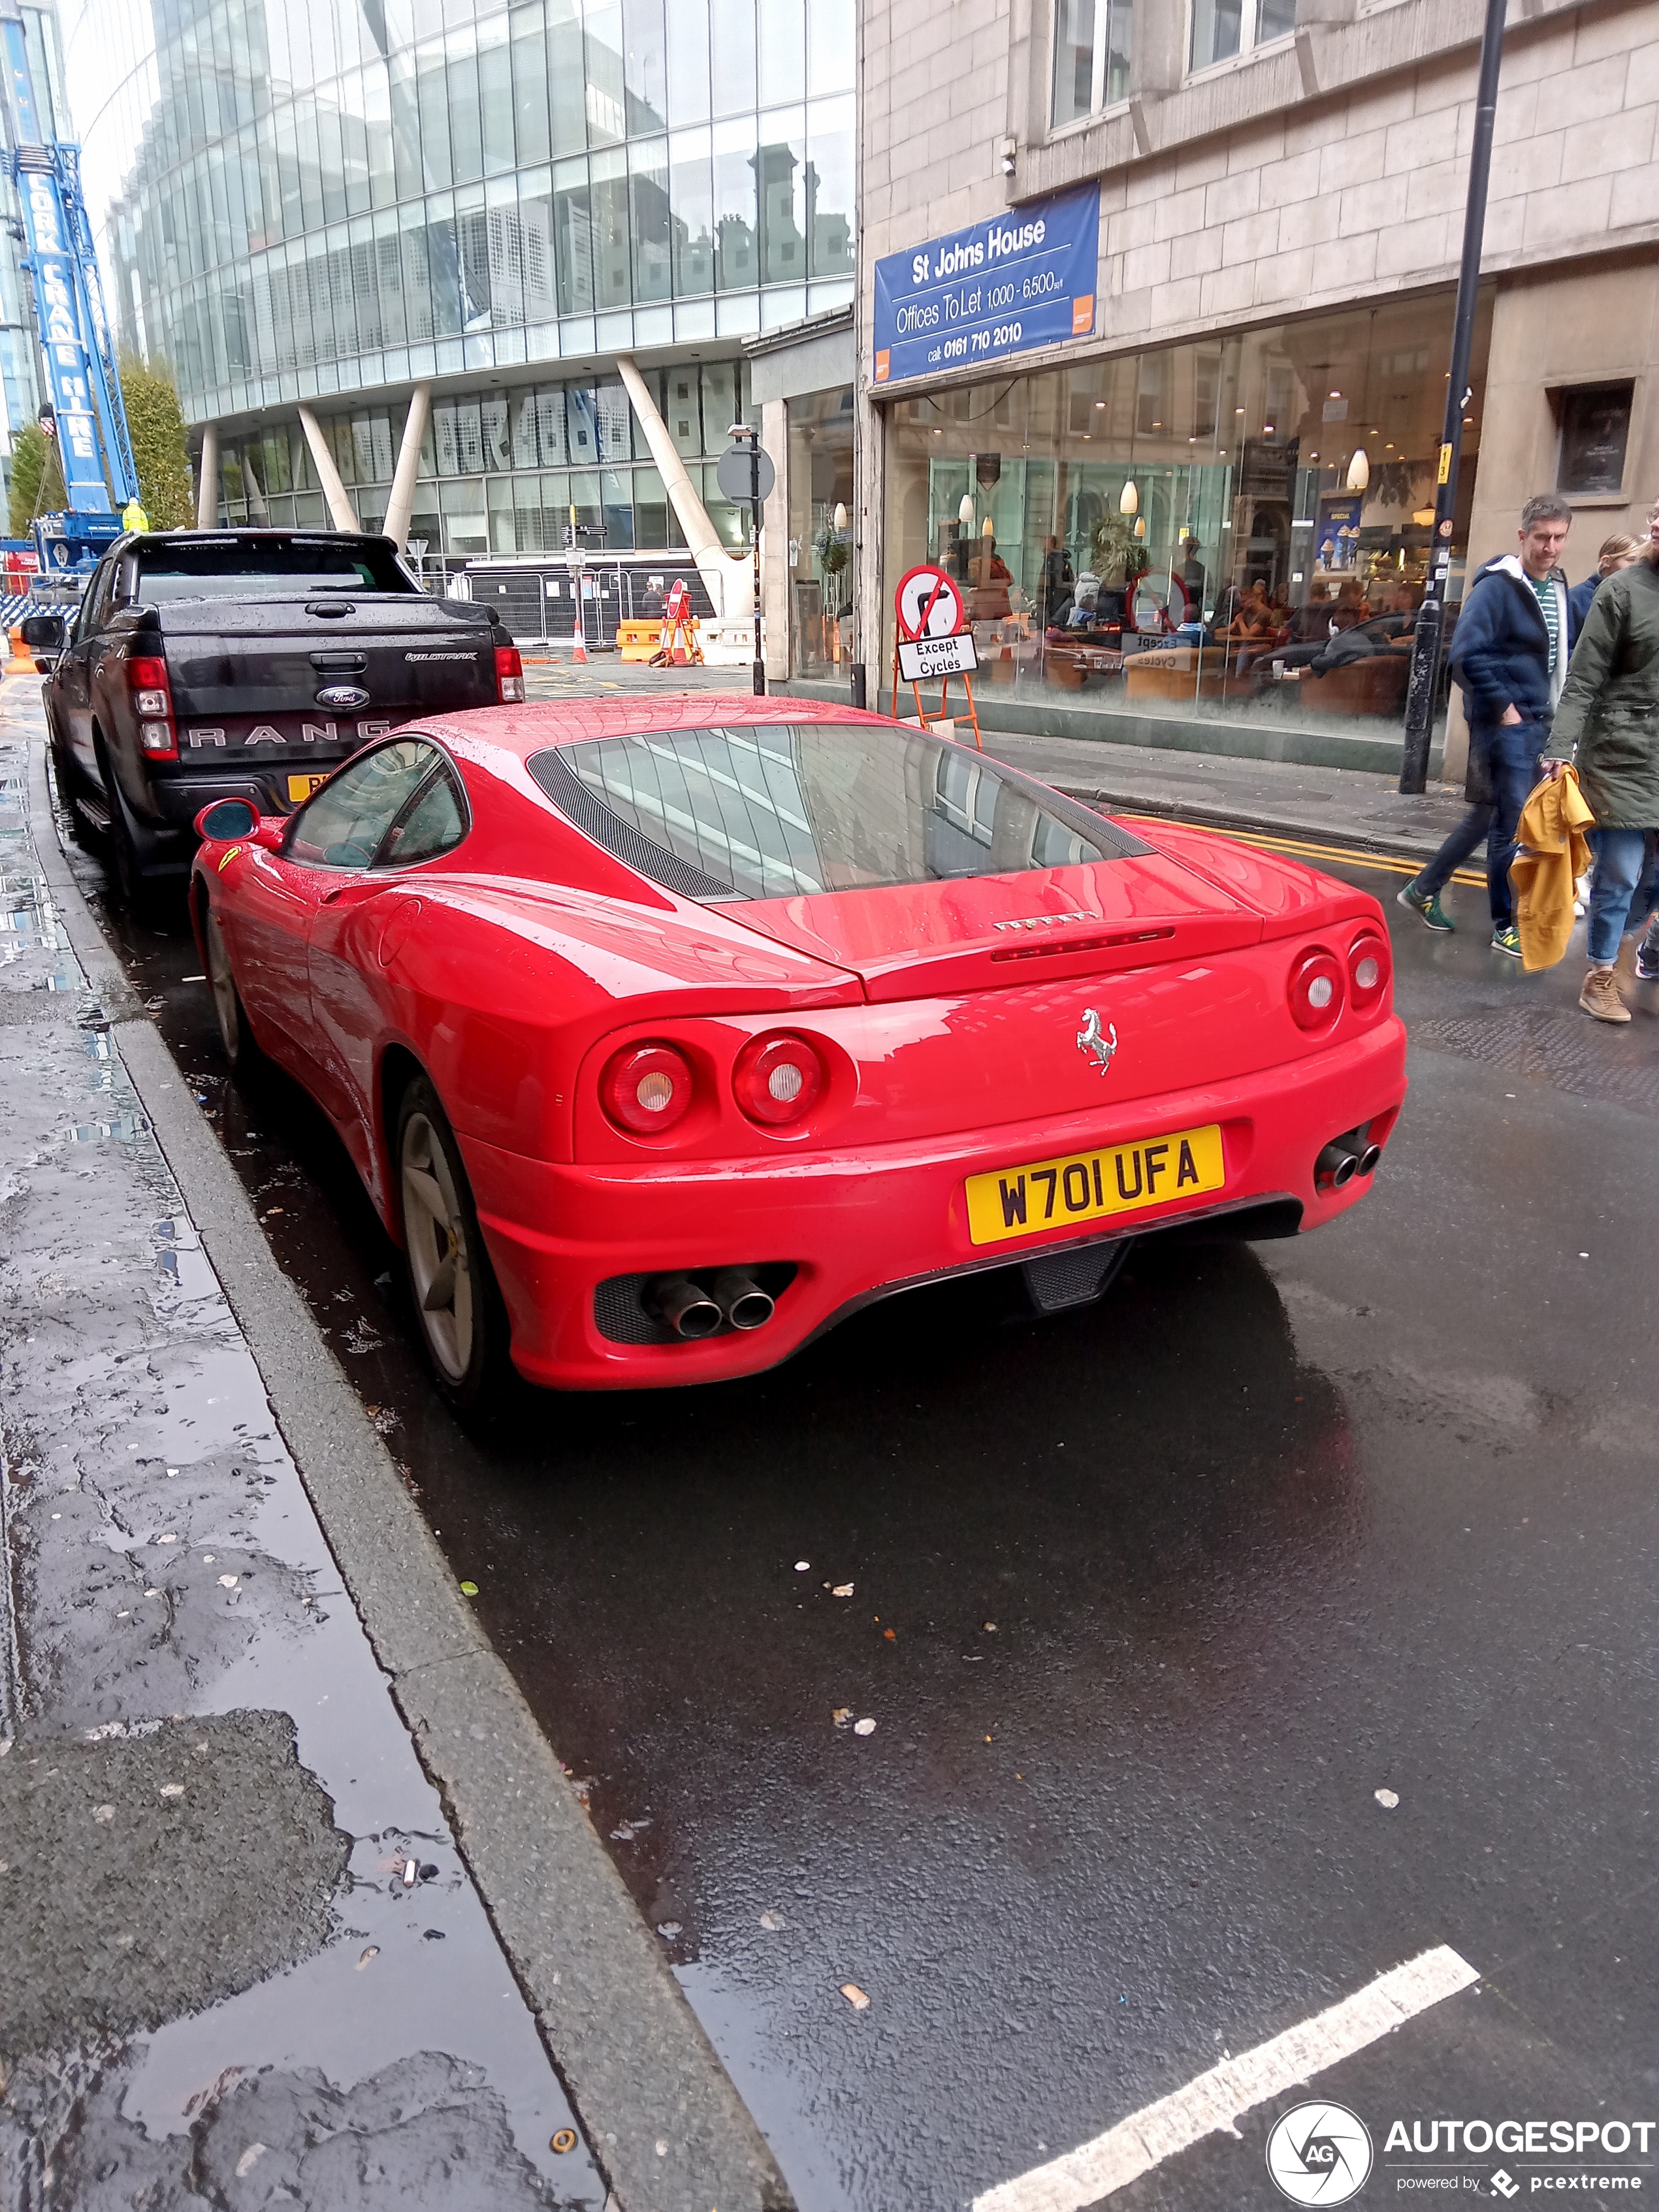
(1210, 2105)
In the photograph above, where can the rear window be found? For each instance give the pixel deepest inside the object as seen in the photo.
(229, 568)
(775, 810)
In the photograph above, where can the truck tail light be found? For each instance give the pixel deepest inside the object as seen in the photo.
(1315, 989)
(646, 1088)
(509, 675)
(152, 701)
(778, 1079)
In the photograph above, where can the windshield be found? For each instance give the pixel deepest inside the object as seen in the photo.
(773, 809)
(221, 567)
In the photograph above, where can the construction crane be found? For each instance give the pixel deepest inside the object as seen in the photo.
(84, 408)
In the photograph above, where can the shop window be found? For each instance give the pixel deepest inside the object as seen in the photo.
(1091, 55)
(1222, 29)
(1594, 435)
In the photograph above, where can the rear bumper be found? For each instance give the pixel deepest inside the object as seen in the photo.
(856, 1227)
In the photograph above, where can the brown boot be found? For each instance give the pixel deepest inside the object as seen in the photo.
(1600, 997)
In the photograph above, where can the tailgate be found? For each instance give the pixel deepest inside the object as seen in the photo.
(292, 680)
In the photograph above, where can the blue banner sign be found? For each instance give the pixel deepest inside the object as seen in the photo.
(1024, 279)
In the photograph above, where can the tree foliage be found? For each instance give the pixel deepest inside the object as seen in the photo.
(156, 423)
(33, 458)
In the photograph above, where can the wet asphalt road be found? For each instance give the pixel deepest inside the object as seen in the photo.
(1147, 1603)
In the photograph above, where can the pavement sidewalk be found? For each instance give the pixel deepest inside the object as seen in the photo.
(295, 1905)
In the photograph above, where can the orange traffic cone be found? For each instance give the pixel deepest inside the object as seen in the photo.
(22, 660)
(579, 656)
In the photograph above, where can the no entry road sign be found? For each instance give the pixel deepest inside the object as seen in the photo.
(928, 604)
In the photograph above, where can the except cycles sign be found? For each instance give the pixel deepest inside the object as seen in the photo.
(1024, 279)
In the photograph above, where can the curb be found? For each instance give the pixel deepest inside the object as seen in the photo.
(665, 2124)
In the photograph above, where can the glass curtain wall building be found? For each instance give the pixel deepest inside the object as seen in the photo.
(325, 201)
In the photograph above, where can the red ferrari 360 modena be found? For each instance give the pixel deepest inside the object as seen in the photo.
(665, 1034)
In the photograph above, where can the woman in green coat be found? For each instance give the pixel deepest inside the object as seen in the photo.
(1607, 724)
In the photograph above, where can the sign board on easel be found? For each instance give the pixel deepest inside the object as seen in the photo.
(933, 643)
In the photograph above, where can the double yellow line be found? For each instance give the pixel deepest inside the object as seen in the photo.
(1385, 863)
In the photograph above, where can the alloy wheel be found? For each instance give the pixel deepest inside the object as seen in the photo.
(435, 1231)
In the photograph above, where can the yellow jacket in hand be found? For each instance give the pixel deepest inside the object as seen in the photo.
(1554, 852)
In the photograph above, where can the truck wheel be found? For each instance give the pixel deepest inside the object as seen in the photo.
(463, 1320)
(63, 785)
(132, 891)
(240, 1048)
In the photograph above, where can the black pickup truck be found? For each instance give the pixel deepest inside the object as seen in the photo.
(244, 664)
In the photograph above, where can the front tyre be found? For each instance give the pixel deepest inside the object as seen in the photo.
(234, 1035)
(463, 1321)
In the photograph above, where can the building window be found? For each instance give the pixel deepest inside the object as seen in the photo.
(1091, 55)
(1222, 28)
(1595, 433)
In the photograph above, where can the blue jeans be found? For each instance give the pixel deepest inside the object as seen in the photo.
(1624, 889)
(1509, 756)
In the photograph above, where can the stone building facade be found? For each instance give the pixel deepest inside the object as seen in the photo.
(1281, 226)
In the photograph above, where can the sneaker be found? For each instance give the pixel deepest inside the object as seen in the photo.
(1600, 997)
(1647, 960)
(1425, 905)
(1507, 940)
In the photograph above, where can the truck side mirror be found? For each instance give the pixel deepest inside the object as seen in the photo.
(224, 820)
(45, 633)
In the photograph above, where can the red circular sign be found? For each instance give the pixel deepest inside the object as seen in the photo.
(928, 604)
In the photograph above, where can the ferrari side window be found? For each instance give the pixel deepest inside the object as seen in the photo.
(344, 825)
(429, 824)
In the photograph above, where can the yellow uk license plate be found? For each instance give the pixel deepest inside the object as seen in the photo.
(1088, 1186)
(301, 786)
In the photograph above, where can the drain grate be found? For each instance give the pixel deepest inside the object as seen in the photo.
(1568, 1050)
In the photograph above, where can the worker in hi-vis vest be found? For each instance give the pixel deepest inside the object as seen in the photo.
(133, 516)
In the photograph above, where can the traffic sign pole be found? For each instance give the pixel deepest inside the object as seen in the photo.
(747, 474)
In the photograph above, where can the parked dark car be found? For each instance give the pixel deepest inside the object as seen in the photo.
(247, 664)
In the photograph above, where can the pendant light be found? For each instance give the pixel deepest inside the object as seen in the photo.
(1130, 503)
(1359, 470)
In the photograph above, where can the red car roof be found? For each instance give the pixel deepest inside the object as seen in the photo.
(532, 727)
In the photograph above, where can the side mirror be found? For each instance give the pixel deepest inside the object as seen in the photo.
(224, 820)
(45, 633)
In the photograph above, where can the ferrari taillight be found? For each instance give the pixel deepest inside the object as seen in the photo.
(1316, 990)
(1368, 972)
(509, 675)
(646, 1088)
(778, 1079)
(152, 702)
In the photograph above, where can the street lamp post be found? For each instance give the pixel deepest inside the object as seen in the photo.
(1431, 614)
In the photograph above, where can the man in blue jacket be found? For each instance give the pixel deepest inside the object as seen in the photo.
(1509, 655)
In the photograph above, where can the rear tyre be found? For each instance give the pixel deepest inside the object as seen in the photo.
(237, 1038)
(462, 1320)
(121, 852)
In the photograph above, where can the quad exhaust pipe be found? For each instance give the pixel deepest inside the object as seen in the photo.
(734, 1300)
(1346, 1157)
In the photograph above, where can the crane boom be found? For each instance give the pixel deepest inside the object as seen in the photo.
(93, 442)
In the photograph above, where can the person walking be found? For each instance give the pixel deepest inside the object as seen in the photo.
(1607, 725)
(1509, 653)
(1617, 552)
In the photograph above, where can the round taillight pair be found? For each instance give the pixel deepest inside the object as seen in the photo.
(1368, 972)
(1316, 990)
(778, 1079)
(647, 1088)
